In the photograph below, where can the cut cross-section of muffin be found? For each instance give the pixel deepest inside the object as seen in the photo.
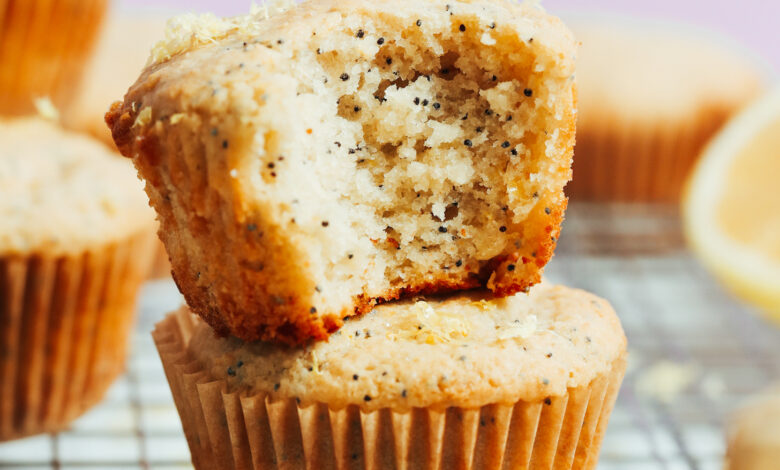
(309, 163)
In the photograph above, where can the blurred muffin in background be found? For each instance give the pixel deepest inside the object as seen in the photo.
(650, 96)
(118, 60)
(754, 434)
(44, 45)
(76, 242)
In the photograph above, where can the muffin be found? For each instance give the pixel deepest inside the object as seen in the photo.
(754, 434)
(43, 48)
(75, 245)
(467, 381)
(650, 97)
(117, 58)
(116, 61)
(310, 163)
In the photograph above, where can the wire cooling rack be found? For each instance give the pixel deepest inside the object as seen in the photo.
(695, 353)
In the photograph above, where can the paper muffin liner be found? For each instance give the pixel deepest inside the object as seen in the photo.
(234, 431)
(65, 322)
(621, 161)
(44, 46)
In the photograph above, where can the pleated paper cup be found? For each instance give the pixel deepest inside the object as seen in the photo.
(238, 431)
(65, 322)
(44, 46)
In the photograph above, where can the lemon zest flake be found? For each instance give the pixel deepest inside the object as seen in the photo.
(521, 330)
(485, 305)
(315, 362)
(431, 326)
(144, 117)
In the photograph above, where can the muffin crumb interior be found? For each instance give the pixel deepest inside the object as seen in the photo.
(430, 150)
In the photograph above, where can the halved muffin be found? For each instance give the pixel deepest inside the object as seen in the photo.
(309, 163)
(44, 47)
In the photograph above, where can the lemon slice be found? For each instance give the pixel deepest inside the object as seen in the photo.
(731, 207)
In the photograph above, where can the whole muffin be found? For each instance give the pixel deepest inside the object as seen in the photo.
(76, 239)
(44, 45)
(468, 382)
(650, 97)
(309, 163)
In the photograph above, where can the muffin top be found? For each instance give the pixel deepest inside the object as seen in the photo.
(62, 192)
(467, 350)
(640, 70)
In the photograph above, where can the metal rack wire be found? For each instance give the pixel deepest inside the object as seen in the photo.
(672, 311)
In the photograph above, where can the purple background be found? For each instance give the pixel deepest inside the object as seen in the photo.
(753, 23)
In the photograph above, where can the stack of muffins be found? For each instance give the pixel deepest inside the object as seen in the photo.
(76, 232)
(358, 199)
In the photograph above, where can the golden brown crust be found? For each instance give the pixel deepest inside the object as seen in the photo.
(120, 131)
(525, 272)
(248, 309)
